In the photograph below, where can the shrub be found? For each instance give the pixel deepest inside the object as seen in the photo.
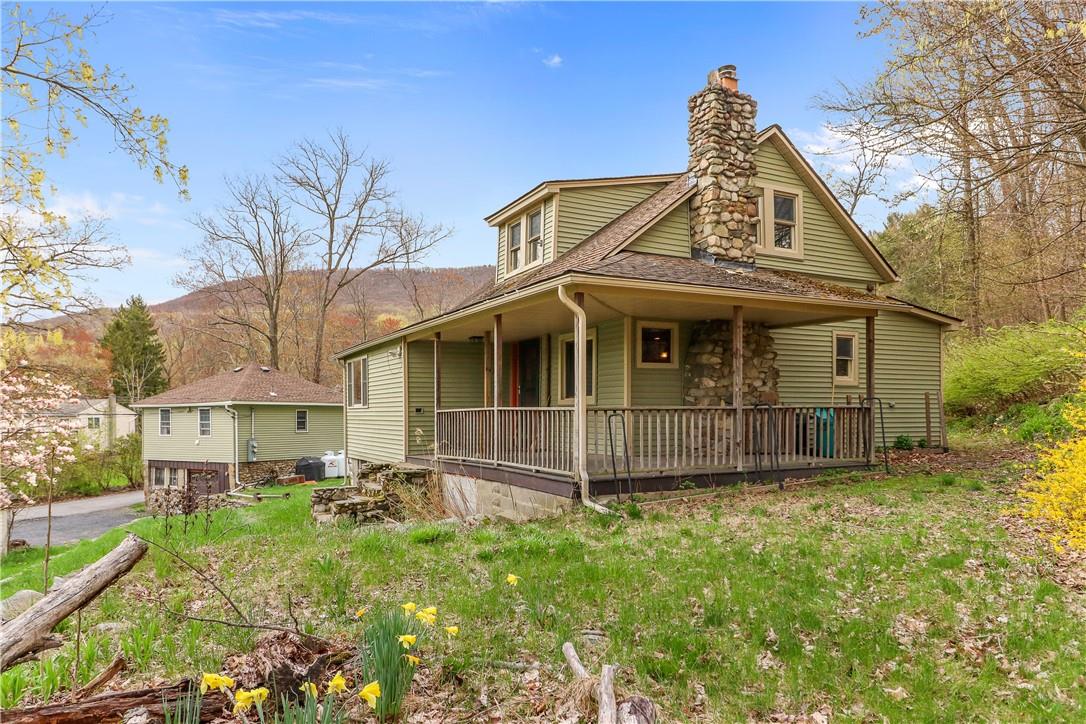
(1036, 423)
(987, 374)
(1057, 496)
(903, 442)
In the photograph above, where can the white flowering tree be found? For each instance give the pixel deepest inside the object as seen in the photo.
(35, 443)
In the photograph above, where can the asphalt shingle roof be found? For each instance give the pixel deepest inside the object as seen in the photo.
(251, 383)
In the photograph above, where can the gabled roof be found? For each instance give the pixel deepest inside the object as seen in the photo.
(546, 188)
(249, 384)
(79, 405)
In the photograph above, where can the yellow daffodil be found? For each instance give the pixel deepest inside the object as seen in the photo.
(452, 630)
(370, 692)
(413, 660)
(360, 612)
(216, 682)
(408, 608)
(427, 618)
(338, 684)
(309, 689)
(430, 610)
(244, 700)
(407, 640)
(512, 580)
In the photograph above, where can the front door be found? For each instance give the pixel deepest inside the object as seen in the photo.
(527, 373)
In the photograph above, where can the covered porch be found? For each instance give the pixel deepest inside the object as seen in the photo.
(603, 382)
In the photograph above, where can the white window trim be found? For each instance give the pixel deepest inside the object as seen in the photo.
(160, 411)
(364, 379)
(854, 378)
(173, 477)
(562, 339)
(672, 356)
(523, 221)
(766, 221)
(97, 420)
(199, 429)
(296, 421)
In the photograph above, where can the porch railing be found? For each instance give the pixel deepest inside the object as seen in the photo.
(536, 438)
(657, 439)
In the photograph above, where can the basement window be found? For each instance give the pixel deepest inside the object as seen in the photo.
(844, 358)
(656, 344)
(173, 477)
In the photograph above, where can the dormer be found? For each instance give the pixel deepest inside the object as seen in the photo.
(555, 216)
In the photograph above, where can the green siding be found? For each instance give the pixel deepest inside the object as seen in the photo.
(376, 432)
(582, 211)
(184, 442)
(659, 387)
(461, 387)
(907, 364)
(276, 437)
(827, 250)
(669, 236)
(610, 380)
(547, 238)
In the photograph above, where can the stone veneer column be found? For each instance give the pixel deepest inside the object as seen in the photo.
(708, 368)
(723, 211)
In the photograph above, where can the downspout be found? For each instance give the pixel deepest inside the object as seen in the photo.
(580, 403)
(237, 473)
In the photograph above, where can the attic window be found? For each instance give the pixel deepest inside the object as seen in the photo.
(780, 215)
(514, 246)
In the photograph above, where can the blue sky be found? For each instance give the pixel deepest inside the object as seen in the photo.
(471, 104)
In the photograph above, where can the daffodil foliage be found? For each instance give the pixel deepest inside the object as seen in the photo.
(51, 86)
(1057, 495)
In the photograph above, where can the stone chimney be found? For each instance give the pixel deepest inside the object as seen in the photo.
(723, 211)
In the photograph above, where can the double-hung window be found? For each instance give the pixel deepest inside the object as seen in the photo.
(94, 423)
(514, 245)
(844, 358)
(173, 477)
(780, 221)
(569, 366)
(204, 414)
(165, 418)
(357, 383)
(301, 421)
(524, 241)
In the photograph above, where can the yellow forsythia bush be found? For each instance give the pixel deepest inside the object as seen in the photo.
(1057, 495)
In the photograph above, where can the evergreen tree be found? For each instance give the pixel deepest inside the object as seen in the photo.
(137, 365)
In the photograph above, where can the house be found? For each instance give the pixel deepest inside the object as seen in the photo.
(604, 357)
(100, 421)
(236, 427)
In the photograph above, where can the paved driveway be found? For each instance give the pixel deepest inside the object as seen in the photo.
(75, 520)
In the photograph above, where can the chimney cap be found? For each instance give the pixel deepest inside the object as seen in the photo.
(724, 77)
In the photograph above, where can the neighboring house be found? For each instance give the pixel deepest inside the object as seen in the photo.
(611, 318)
(237, 427)
(99, 420)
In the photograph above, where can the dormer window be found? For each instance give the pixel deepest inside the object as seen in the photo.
(524, 246)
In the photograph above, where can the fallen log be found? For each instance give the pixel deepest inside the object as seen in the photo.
(606, 696)
(633, 709)
(113, 705)
(118, 665)
(28, 633)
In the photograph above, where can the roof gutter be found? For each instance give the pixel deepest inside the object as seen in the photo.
(237, 473)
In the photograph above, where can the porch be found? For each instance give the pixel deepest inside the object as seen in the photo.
(585, 386)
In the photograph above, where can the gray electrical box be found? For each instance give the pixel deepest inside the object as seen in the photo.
(251, 450)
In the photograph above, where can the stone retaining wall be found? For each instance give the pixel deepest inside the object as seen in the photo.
(182, 501)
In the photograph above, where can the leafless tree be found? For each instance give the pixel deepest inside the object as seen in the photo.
(348, 210)
(248, 250)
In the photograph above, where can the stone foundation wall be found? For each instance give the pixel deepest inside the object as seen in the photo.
(181, 500)
(707, 377)
(723, 211)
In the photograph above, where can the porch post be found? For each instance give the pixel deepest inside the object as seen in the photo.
(497, 388)
(869, 340)
(737, 384)
(488, 368)
(437, 373)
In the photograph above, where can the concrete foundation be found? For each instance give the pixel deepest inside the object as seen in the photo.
(468, 496)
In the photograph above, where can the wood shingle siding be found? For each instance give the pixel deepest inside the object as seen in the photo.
(376, 432)
(184, 441)
(828, 252)
(582, 211)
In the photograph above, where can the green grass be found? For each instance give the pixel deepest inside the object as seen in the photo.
(777, 604)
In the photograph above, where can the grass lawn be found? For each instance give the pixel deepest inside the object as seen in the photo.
(900, 598)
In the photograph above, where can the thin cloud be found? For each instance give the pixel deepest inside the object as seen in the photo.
(553, 61)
